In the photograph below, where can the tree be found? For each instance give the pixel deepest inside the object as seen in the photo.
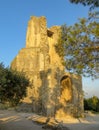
(86, 105)
(13, 85)
(95, 101)
(92, 104)
(79, 45)
(92, 3)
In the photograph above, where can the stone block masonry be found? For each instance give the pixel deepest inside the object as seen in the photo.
(54, 92)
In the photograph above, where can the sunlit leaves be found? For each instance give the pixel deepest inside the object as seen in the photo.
(79, 45)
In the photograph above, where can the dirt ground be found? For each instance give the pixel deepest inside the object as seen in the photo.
(12, 120)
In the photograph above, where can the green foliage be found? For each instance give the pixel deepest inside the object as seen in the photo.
(93, 10)
(13, 85)
(92, 3)
(79, 45)
(92, 104)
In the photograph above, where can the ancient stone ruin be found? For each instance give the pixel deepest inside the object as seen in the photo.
(53, 92)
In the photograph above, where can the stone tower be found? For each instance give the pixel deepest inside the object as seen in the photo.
(54, 92)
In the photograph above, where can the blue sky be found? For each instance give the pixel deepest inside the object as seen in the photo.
(14, 16)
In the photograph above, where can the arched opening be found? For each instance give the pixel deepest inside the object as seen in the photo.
(66, 90)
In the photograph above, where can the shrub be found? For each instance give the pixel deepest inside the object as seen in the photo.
(13, 85)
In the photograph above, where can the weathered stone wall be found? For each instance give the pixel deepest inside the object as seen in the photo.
(53, 92)
(71, 96)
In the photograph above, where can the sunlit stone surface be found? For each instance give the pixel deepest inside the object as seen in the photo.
(53, 92)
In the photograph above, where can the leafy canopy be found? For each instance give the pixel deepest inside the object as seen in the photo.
(92, 3)
(93, 6)
(79, 45)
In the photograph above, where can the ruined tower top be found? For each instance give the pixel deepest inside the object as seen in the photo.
(36, 27)
(37, 32)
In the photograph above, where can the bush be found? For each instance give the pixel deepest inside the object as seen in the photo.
(92, 104)
(13, 85)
